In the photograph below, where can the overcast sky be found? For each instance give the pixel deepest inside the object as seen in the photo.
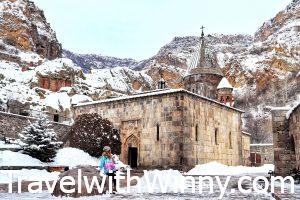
(138, 28)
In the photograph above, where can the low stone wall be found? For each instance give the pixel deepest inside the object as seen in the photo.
(11, 125)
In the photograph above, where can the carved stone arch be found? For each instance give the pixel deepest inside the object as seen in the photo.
(131, 141)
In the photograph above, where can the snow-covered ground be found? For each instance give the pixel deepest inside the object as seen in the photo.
(28, 175)
(8, 146)
(215, 168)
(71, 157)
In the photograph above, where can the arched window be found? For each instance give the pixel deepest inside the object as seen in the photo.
(196, 132)
(230, 140)
(216, 136)
(157, 132)
(227, 99)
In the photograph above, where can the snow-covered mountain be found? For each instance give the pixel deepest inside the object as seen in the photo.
(92, 61)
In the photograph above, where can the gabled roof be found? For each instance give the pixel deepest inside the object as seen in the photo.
(156, 93)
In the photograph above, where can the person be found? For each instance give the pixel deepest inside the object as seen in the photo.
(108, 166)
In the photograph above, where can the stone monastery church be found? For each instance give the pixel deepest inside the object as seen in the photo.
(179, 127)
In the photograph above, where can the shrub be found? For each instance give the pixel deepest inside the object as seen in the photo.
(91, 133)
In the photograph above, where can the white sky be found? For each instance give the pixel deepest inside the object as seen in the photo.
(138, 28)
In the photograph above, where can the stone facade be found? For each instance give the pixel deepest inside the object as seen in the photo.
(173, 128)
(11, 125)
(284, 142)
(265, 152)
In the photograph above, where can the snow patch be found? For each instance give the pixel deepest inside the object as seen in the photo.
(28, 175)
(215, 168)
(73, 157)
(80, 98)
(58, 101)
(9, 158)
(171, 179)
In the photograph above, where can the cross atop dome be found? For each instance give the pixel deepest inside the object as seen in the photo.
(202, 62)
(202, 29)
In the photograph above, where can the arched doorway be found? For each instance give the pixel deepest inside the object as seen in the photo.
(131, 150)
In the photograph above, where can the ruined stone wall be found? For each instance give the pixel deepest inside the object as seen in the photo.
(175, 116)
(284, 157)
(265, 150)
(294, 130)
(11, 125)
(219, 133)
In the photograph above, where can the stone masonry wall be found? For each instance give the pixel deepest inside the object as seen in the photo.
(11, 125)
(174, 115)
(294, 128)
(219, 133)
(284, 157)
(265, 150)
(246, 149)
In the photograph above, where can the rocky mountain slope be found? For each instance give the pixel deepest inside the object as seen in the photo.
(92, 61)
(25, 35)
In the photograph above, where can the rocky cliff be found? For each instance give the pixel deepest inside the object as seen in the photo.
(24, 32)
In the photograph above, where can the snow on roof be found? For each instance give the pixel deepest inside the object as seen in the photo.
(289, 113)
(155, 93)
(224, 83)
(58, 101)
(246, 133)
(80, 98)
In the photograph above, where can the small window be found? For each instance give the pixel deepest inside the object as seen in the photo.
(196, 132)
(56, 118)
(230, 140)
(292, 144)
(216, 136)
(157, 132)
